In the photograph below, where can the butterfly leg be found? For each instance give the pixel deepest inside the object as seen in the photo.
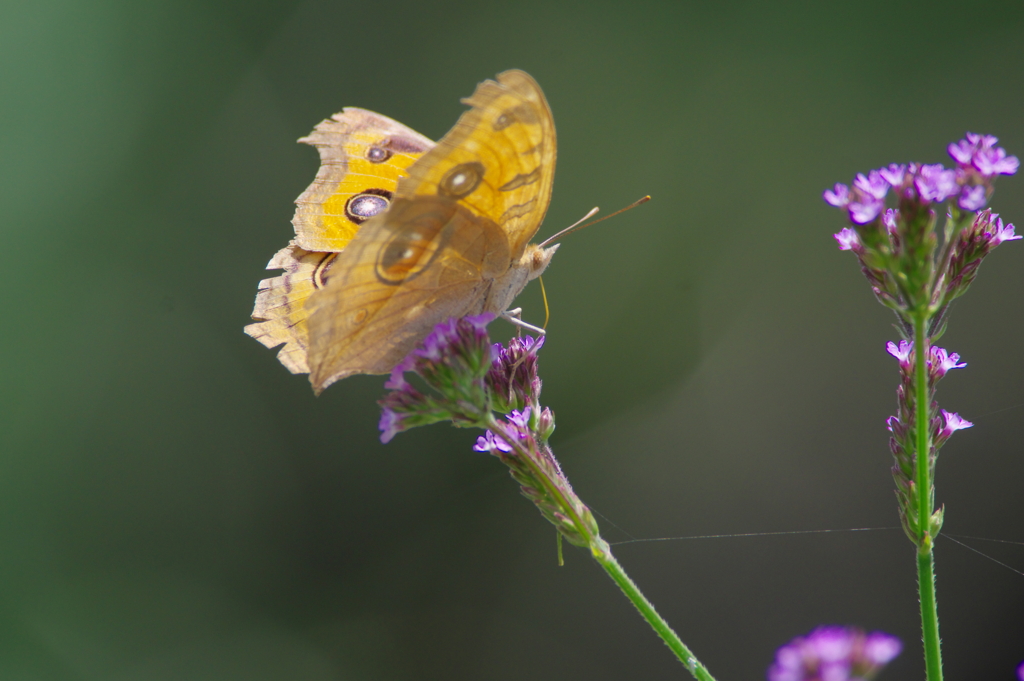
(513, 317)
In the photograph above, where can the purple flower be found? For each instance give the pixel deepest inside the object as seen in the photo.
(455, 336)
(490, 443)
(896, 427)
(520, 418)
(436, 342)
(513, 377)
(1020, 670)
(941, 361)
(973, 198)
(962, 151)
(831, 644)
(981, 140)
(954, 422)
(397, 379)
(874, 185)
(838, 197)
(881, 649)
(453, 361)
(893, 174)
(848, 239)
(901, 352)
(518, 427)
(865, 210)
(889, 220)
(834, 654)
(991, 162)
(981, 153)
(519, 422)
(935, 183)
(390, 425)
(1002, 233)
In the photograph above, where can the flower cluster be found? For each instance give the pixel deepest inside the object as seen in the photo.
(902, 443)
(454, 360)
(972, 245)
(513, 375)
(978, 162)
(521, 427)
(898, 248)
(468, 379)
(918, 275)
(834, 654)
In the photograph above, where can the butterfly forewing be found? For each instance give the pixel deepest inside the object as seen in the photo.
(507, 141)
(457, 223)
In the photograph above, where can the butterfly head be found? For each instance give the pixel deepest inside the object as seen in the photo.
(536, 259)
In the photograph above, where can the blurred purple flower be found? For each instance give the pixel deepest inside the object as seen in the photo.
(981, 140)
(873, 185)
(865, 210)
(889, 220)
(390, 425)
(396, 381)
(981, 153)
(838, 197)
(848, 239)
(1020, 670)
(881, 649)
(834, 654)
(992, 162)
(935, 183)
(962, 151)
(893, 174)
(973, 198)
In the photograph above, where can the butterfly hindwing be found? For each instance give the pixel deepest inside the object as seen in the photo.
(362, 156)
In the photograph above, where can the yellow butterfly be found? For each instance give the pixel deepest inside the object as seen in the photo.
(379, 259)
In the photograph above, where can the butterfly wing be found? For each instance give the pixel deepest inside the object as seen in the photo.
(460, 220)
(362, 155)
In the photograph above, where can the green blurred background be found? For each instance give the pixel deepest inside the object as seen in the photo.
(175, 505)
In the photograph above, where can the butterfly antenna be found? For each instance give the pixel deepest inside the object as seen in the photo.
(570, 228)
(577, 226)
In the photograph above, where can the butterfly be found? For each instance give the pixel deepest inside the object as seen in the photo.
(397, 234)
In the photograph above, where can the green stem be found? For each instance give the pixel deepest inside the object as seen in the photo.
(925, 547)
(929, 616)
(541, 476)
(603, 555)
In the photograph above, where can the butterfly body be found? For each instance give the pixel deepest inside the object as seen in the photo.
(451, 239)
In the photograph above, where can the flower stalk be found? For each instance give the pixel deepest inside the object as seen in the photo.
(926, 502)
(918, 273)
(469, 382)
